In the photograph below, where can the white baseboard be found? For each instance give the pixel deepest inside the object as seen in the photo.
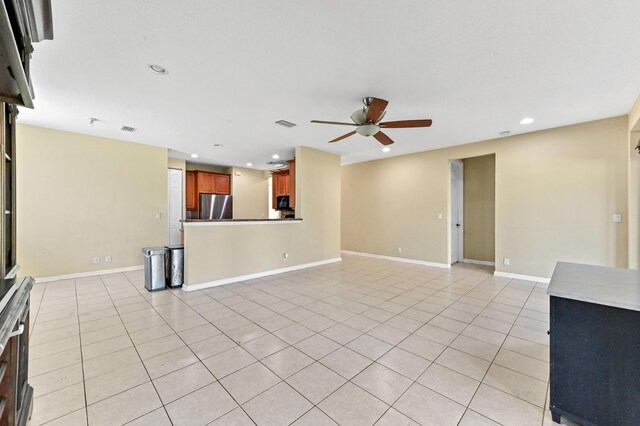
(541, 280)
(479, 262)
(200, 286)
(88, 274)
(398, 259)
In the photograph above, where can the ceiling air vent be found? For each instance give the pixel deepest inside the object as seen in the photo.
(286, 123)
(128, 129)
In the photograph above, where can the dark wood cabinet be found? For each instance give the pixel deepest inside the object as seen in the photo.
(190, 189)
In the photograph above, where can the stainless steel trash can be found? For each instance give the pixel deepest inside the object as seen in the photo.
(154, 268)
(175, 266)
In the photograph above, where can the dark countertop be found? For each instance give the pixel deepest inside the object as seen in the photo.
(240, 220)
(616, 287)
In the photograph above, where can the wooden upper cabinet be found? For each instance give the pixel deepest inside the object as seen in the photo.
(213, 183)
(284, 183)
(190, 189)
(222, 184)
(206, 183)
(292, 183)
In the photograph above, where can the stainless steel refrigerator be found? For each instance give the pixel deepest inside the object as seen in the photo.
(216, 206)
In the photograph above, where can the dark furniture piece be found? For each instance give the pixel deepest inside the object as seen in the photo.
(595, 345)
(16, 395)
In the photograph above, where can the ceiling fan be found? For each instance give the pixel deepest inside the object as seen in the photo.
(368, 121)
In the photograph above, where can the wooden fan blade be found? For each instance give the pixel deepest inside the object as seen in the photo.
(333, 122)
(376, 108)
(383, 139)
(405, 123)
(344, 137)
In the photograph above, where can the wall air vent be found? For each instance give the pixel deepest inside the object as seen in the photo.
(128, 129)
(286, 123)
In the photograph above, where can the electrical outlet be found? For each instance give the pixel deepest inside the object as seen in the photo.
(617, 218)
(506, 261)
(399, 249)
(158, 215)
(285, 256)
(440, 216)
(96, 260)
(107, 259)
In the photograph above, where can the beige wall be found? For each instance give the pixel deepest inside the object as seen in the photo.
(634, 187)
(81, 196)
(221, 252)
(479, 208)
(207, 167)
(556, 191)
(249, 188)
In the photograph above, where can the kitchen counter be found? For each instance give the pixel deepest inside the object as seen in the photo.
(210, 222)
(616, 287)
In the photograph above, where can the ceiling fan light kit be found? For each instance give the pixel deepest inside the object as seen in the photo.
(368, 121)
(367, 129)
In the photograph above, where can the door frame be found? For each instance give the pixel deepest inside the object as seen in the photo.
(456, 209)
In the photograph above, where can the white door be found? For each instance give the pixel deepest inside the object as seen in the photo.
(457, 211)
(175, 206)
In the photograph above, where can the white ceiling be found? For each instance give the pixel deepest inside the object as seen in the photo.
(235, 67)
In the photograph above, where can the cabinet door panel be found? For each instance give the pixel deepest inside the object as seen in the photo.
(206, 183)
(222, 184)
(190, 184)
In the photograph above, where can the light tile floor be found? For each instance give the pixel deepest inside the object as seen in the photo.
(361, 342)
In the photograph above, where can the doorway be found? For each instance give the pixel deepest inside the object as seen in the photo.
(457, 211)
(175, 206)
(473, 210)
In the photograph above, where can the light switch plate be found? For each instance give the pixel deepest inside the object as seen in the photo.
(617, 218)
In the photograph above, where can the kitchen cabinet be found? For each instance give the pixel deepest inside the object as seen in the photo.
(206, 182)
(222, 184)
(595, 344)
(292, 183)
(201, 182)
(190, 189)
(284, 183)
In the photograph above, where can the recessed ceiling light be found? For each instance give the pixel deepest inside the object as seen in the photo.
(275, 156)
(386, 149)
(217, 145)
(527, 120)
(286, 123)
(504, 133)
(194, 155)
(249, 164)
(158, 69)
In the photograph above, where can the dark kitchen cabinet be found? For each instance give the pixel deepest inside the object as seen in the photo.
(595, 345)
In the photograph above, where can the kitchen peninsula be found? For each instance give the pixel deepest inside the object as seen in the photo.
(219, 252)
